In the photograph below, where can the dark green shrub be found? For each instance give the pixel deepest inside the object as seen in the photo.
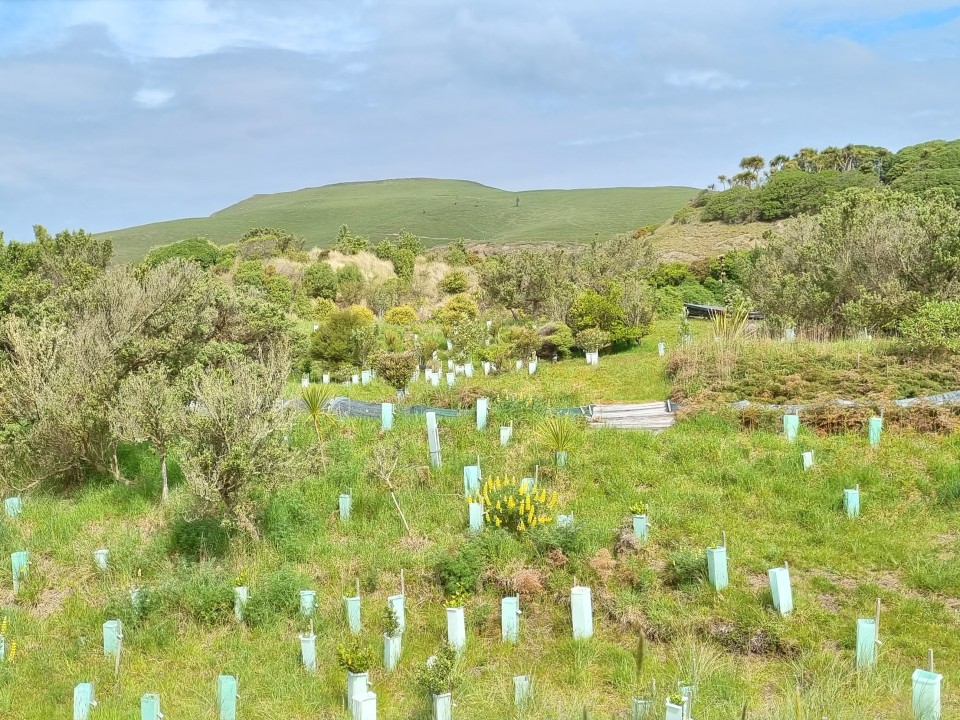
(197, 249)
(556, 339)
(334, 341)
(396, 367)
(455, 281)
(403, 263)
(934, 328)
(736, 205)
(202, 592)
(567, 538)
(320, 280)
(350, 284)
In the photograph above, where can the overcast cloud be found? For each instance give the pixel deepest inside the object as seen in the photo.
(121, 112)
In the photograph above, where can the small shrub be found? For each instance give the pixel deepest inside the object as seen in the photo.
(458, 308)
(203, 593)
(401, 315)
(355, 656)
(592, 339)
(934, 328)
(556, 340)
(320, 281)
(460, 572)
(524, 341)
(350, 284)
(567, 539)
(396, 368)
(512, 507)
(437, 676)
(198, 538)
(334, 342)
(455, 281)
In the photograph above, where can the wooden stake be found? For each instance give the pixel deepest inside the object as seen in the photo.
(724, 534)
(930, 659)
(786, 566)
(358, 588)
(876, 624)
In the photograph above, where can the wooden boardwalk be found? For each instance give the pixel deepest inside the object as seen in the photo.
(643, 416)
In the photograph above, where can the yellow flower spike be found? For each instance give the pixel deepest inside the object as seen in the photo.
(13, 652)
(521, 527)
(553, 500)
(3, 626)
(543, 496)
(497, 521)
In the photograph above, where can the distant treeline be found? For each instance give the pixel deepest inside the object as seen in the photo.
(786, 186)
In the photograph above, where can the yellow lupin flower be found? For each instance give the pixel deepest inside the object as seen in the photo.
(3, 626)
(498, 506)
(497, 521)
(553, 500)
(543, 496)
(511, 503)
(13, 651)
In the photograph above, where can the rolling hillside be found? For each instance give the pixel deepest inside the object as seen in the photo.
(437, 210)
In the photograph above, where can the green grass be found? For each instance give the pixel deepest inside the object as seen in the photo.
(437, 210)
(699, 478)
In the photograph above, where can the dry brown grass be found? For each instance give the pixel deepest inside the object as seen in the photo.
(694, 240)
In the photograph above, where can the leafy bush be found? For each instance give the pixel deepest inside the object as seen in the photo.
(408, 241)
(456, 309)
(684, 215)
(524, 341)
(934, 328)
(250, 272)
(604, 311)
(437, 676)
(355, 656)
(350, 284)
(396, 368)
(460, 572)
(197, 249)
(668, 274)
(199, 538)
(320, 281)
(349, 244)
(568, 539)
(513, 507)
(456, 253)
(592, 339)
(404, 262)
(736, 205)
(455, 281)
(279, 290)
(555, 339)
(386, 295)
(334, 342)
(385, 249)
(401, 315)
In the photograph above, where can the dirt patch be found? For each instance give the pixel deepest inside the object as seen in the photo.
(50, 602)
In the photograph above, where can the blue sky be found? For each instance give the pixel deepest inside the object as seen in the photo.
(120, 112)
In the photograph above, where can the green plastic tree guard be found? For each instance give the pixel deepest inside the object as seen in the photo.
(112, 636)
(532, 367)
(326, 378)
(506, 431)
(442, 705)
(398, 605)
(386, 416)
(486, 367)
(661, 348)
(581, 610)
(476, 516)
(640, 528)
(565, 520)
(241, 595)
(355, 380)
(483, 405)
(519, 365)
(641, 709)
(346, 503)
(674, 712)
(926, 695)
(358, 684)
(308, 603)
(305, 380)
(807, 459)
(874, 427)
(527, 484)
(851, 502)
(150, 707)
(560, 458)
(790, 334)
(687, 692)
(456, 628)
(364, 707)
(364, 377)
(510, 619)
(717, 567)
(308, 652)
(101, 558)
(780, 590)
(468, 369)
(352, 605)
(451, 379)
(227, 697)
(866, 642)
(791, 425)
(522, 689)
(435, 379)
(13, 506)
(433, 439)
(83, 701)
(18, 562)
(136, 598)
(391, 650)
(471, 480)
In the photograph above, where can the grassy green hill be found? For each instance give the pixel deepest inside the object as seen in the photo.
(437, 210)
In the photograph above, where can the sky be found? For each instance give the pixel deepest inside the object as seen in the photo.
(122, 112)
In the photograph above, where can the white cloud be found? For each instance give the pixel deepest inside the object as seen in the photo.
(152, 97)
(705, 79)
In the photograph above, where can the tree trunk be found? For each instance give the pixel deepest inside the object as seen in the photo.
(165, 493)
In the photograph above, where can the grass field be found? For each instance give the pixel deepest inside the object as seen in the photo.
(437, 210)
(701, 477)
